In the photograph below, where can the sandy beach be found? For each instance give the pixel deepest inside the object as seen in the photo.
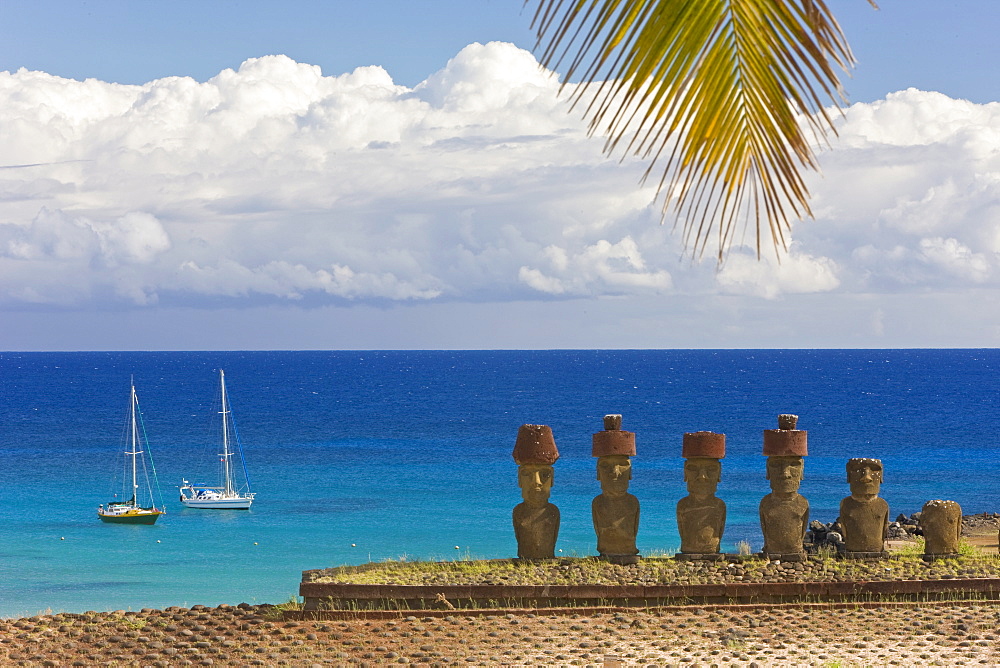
(945, 634)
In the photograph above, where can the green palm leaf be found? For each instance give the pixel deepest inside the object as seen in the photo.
(723, 95)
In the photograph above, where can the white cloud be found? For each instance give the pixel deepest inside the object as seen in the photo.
(476, 81)
(910, 195)
(61, 259)
(795, 273)
(599, 268)
(276, 183)
(288, 281)
(539, 281)
(135, 238)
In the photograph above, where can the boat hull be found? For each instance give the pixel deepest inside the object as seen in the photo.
(215, 498)
(144, 517)
(218, 504)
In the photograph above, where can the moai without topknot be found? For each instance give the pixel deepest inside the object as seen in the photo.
(864, 516)
(701, 517)
(941, 522)
(536, 521)
(615, 511)
(784, 513)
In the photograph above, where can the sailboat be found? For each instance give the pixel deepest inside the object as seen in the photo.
(225, 495)
(133, 511)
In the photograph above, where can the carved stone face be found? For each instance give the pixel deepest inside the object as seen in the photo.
(785, 473)
(535, 481)
(614, 472)
(702, 475)
(864, 477)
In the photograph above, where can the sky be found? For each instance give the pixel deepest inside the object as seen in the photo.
(404, 175)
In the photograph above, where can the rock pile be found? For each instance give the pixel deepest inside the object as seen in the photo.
(905, 527)
(981, 523)
(822, 537)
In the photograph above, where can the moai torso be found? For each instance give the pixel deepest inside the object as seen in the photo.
(536, 529)
(701, 522)
(616, 523)
(865, 524)
(784, 520)
(941, 522)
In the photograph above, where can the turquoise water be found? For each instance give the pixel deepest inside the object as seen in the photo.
(359, 456)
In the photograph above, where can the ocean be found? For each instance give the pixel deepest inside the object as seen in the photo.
(360, 456)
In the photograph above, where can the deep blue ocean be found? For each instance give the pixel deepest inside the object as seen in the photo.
(359, 456)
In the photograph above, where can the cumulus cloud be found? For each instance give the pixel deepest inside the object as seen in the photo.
(614, 268)
(795, 273)
(277, 183)
(55, 247)
(910, 195)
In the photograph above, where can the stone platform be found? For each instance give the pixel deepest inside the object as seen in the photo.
(340, 596)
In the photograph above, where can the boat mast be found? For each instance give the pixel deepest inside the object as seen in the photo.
(226, 473)
(134, 453)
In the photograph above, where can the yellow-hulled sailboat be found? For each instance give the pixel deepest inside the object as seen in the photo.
(133, 511)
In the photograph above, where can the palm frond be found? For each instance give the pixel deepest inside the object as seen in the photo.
(723, 96)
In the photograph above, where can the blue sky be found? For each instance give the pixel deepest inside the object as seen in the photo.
(949, 47)
(133, 42)
(442, 196)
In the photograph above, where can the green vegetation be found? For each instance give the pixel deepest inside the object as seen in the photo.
(133, 623)
(904, 565)
(293, 604)
(965, 549)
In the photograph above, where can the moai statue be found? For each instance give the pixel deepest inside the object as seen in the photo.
(536, 521)
(784, 513)
(615, 511)
(941, 522)
(864, 517)
(701, 517)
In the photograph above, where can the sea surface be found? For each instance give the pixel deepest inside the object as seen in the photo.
(359, 456)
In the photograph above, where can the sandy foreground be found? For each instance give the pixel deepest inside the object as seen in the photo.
(953, 633)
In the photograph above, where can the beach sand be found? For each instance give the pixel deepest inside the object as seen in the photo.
(949, 634)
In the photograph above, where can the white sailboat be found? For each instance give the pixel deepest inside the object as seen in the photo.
(226, 495)
(133, 511)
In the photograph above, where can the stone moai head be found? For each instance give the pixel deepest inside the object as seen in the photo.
(614, 472)
(535, 481)
(702, 451)
(785, 473)
(535, 452)
(941, 522)
(613, 447)
(784, 448)
(864, 475)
